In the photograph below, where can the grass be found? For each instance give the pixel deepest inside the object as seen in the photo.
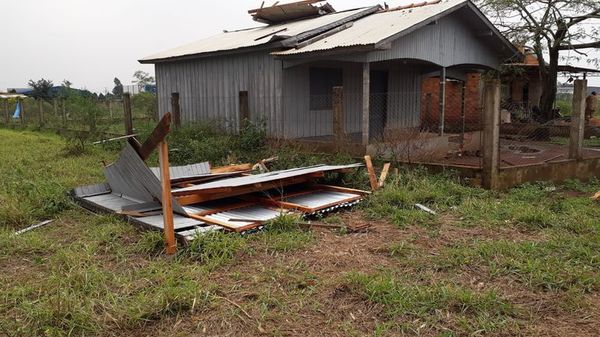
(487, 263)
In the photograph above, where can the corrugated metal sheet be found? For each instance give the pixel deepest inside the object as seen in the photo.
(129, 176)
(264, 177)
(320, 199)
(251, 37)
(186, 171)
(377, 27)
(209, 89)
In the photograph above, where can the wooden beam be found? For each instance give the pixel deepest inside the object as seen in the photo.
(384, 174)
(167, 203)
(224, 224)
(371, 171)
(176, 109)
(157, 136)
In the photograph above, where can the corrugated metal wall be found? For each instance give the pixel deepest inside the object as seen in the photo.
(301, 121)
(209, 88)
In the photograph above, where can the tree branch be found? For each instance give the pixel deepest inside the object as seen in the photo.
(579, 46)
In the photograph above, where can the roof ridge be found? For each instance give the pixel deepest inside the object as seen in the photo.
(413, 5)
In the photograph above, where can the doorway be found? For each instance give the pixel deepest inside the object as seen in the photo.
(378, 103)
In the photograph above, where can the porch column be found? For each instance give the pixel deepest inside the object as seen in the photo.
(366, 79)
(491, 134)
(442, 99)
(577, 129)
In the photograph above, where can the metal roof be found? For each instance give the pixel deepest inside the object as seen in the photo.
(251, 37)
(377, 27)
(264, 177)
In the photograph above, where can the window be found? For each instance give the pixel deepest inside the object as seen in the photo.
(322, 80)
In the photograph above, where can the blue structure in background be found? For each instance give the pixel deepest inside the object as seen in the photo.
(17, 113)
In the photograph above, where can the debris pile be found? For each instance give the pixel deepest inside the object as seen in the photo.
(206, 198)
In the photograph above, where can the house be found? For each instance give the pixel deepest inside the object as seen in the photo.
(381, 57)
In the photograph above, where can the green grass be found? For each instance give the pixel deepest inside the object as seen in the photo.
(88, 275)
(433, 307)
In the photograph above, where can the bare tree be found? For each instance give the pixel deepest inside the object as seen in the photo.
(551, 27)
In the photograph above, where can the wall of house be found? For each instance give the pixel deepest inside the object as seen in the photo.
(430, 98)
(403, 96)
(209, 88)
(300, 121)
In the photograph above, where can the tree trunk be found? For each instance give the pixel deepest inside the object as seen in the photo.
(549, 85)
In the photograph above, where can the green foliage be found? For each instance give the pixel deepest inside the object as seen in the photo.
(41, 89)
(88, 112)
(283, 234)
(144, 104)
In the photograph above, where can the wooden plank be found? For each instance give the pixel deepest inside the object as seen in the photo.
(343, 189)
(384, 174)
(201, 197)
(167, 206)
(491, 134)
(232, 168)
(371, 171)
(224, 223)
(157, 136)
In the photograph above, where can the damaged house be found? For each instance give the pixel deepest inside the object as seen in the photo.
(284, 71)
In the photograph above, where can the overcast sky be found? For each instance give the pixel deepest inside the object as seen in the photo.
(91, 42)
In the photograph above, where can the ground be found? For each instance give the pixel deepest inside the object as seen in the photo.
(523, 262)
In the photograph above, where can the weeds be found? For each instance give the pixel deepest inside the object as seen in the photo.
(283, 234)
(443, 306)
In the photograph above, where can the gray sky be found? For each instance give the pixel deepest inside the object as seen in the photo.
(91, 42)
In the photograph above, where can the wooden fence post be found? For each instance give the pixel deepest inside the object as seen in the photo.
(577, 129)
(64, 113)
(6, 113)
(338, 116)
(175, 109)
(127, 114)
(491, 134)
(244, 113)
(41, 111)
(22, 114)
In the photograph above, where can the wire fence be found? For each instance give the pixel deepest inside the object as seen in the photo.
(77, 113)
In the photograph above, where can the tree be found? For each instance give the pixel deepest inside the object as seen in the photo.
(118, 89)
(142, 79)
(552, 27)
(41, 89)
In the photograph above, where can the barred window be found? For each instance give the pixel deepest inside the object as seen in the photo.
(322, 80)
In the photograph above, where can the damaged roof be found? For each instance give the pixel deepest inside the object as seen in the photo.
(252, 37)
(368, 26)
(290, 11)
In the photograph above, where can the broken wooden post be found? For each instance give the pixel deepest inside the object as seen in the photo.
(366, 91)
(577, 119)
(167, 202)
(175, 109)
(244, 110)
(127, 114)
(384, 174)
(371, 171)
(491, 134)
(338, 116)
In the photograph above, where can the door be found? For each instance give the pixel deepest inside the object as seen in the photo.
(378, 103)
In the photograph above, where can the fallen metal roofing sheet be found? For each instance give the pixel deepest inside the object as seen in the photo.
(186, 171)
(129, 176)
(377, 27)
(320, 199)
(251, 37)
(264, 177)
